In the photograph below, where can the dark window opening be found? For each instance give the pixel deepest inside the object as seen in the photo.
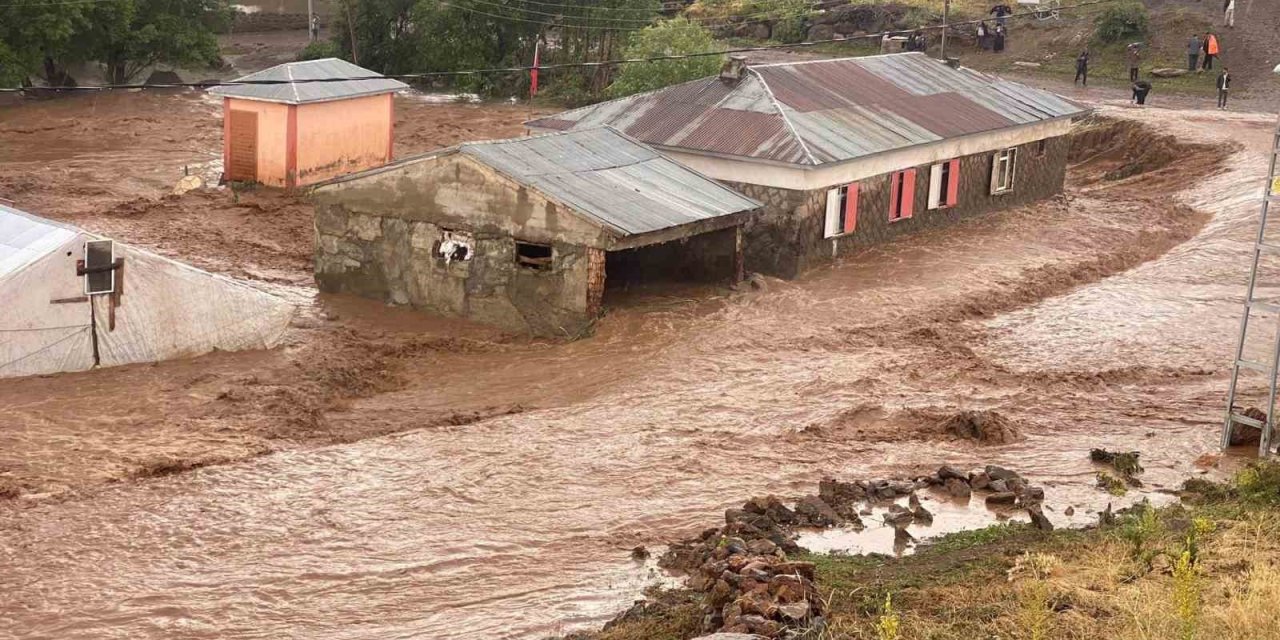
(1042, 147)
(98, 256)
(533, 256)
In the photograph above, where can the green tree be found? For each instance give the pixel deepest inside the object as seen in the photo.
(668, 37)
(1120, 22)
(37, 36)
(128, 36)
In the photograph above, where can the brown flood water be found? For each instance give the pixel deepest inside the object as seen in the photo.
(1103, 320)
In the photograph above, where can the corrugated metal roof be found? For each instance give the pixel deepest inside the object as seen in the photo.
(824, 111)
(24, 238)
(290, 92)
(611, 178)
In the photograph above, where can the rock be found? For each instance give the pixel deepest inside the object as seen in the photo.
(898, 517)
(1243, 434)
(794, 611)
(834, 492)
(1107, 517)
(1029, 65)
(1035, 494)
(946, 472)
(986, 427)
(979, 480)
(762, 547)
(1069, 511)
(813, 510)
(753, 31)
(187, 183)
(1168, 72)
(1002, 499)
(799, 568)
(821, 32)
(789, 588)
(1038, 518)
(731, 636)
(998, 486)
(1016, 485)
(958, 488)
(1000, 473)
(639, 553)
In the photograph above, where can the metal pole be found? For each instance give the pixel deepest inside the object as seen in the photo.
(946, 13)
(311, 16)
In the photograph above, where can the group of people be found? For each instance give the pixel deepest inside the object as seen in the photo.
(993, 38)
(1133, 58)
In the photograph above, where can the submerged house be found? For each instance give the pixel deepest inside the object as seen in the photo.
(851, 151)
(74, 300)
(297, 130)
(526, 234)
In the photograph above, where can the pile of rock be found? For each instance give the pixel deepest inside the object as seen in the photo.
(1003, 489)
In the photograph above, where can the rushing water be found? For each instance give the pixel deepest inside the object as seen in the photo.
(520, 526)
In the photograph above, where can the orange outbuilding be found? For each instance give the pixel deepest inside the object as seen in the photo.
(306, 122)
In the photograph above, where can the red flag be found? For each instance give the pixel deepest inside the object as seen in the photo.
(533, 73)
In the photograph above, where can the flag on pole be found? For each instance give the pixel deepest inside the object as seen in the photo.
(533, 73)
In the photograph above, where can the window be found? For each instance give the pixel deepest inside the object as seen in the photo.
(842, 210)
(1003, 167)
(99, 270)
(533, 256)
(944, 184)
(902, 194)
(454, 247)
(1042, 147)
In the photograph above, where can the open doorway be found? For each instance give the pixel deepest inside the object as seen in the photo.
(707, 258)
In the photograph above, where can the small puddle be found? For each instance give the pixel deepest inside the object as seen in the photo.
(953, 515)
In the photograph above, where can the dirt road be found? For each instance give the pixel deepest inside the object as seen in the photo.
(1102, 319)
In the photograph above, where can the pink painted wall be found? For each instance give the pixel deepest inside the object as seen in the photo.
(343, 136)
(273, 125)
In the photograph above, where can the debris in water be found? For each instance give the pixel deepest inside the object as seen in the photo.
(986, 427)
(1126, 464)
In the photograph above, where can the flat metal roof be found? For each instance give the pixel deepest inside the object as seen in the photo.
(612, 178)
(288, 91)
(823, 111)
(25, 238)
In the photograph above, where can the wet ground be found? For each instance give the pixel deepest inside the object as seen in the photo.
(455, 483)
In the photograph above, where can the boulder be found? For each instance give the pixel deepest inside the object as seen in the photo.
(1033, 494)
(762, 547)
(986, 427)
(821, 32)
(805, 570)
(898, 517)
(1000, 473)
(1002, 499)
(814, 511)
(753, 31)
(1038, 518)
(998, 486)
(1243, 434)
(947, 472)
(794, 611)
(979, 480)
(958, 488)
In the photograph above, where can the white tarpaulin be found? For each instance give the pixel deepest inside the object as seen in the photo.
(163, 309)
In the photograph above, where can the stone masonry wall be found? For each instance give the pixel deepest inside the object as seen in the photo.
(379, 236)
(786, 238)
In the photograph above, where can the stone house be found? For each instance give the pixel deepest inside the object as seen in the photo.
(526, 234)
(849, 152)
(301, 127)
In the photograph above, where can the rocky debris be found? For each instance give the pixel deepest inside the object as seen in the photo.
(918, 513)
(957, 488)
(986, 427)
(815, 512)
(1000, 473)
(1243, 434)
(1002, 499)
(1125, 463)
(979, 480)
(1038, 518)
(730, 636)
(639, 553)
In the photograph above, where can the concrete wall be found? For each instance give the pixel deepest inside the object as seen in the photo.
(786, 238)
(376, 237)
(343, 136)
(273, 134)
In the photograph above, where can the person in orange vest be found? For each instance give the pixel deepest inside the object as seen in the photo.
(1210, 50)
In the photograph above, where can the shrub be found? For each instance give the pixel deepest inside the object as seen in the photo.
(319, 49)
(1120, 22)
(667, 37)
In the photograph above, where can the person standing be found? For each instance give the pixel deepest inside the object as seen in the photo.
(1210, 50)
(1133, 58)
(1082, 68)
(998, 42)
(1193, 52)
(1001, 12)
(982, 35)
(1224, 85)
(1229, 13)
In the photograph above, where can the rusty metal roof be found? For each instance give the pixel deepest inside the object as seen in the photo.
(607, 176)
(823, 111)
(289, 91)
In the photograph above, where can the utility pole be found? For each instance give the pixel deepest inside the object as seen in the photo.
(311, 22)
(946, 13)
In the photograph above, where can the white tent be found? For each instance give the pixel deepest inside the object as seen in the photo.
(151, 308)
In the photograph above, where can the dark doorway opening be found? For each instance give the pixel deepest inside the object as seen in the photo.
(708, 258)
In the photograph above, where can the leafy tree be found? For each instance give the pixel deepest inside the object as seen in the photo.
(667, 37)
(38, 35)
(1122, 21)
(128, 36)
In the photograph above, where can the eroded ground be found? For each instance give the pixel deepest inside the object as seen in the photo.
(434, 478)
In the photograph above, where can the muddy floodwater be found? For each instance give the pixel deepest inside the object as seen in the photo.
(1102, 319)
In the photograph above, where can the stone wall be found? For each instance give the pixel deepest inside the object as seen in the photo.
(786, 238)
(379, 236)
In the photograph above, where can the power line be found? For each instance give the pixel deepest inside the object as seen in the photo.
(740, 19)
(541, 67)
